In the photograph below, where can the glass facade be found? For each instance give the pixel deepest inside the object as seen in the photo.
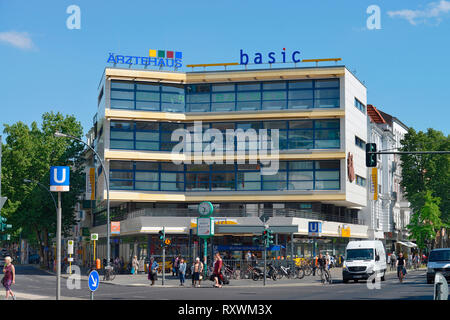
(296, 134)
(302, 94)
(166, 176)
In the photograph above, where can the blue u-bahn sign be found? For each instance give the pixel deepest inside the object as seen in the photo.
(314, 228)
(60, 178)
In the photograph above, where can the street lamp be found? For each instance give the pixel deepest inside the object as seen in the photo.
(108, 246)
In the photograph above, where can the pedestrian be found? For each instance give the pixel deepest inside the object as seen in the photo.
(182, 271)
(328, 259)
(197, 272)
(393, 260)
(153, 270)
(134, 265)
(175, 265)
(217, 270)
(9, 277)
(253, 259)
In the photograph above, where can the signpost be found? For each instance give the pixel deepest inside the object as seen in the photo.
(70, 253)
(94, 237)
(314, 230)
(205, 228)
(93, 282)
(59, 182)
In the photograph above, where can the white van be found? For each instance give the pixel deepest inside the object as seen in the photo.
(363, 259)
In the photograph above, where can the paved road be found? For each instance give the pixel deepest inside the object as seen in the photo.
(35, 284)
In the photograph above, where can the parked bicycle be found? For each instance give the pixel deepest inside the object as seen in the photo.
(230, 272)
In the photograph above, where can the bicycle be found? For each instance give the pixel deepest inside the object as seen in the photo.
(230, 272)
(325, 276)
(109, 273)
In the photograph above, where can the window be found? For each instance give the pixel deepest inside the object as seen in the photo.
(251, 96)
(359, 105)
(166, 176)
(360, 181)
(360, 143)
(295, 134)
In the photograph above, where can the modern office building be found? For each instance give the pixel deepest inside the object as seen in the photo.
(320, 114)
(388, 216)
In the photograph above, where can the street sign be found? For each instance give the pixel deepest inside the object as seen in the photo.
(205, 227)
(314, 228)
(94, 280)
(3, 201)
(374, 185)
(69, 246)
(60, 178)
(167, 242)
(265, 217)
(94, 236)
(115, 227)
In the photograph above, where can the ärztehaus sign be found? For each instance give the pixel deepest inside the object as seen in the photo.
(156, 58)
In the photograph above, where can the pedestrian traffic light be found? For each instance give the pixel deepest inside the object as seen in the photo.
(162, 237)
(371, 158)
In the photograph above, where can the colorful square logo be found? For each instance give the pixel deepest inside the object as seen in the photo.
(170, 54)
(161, 54)
(152, 53)
(178, 55)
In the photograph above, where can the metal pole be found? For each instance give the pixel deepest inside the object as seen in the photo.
(92, 295)
(164, 257)
(58, 249)
(265, 262)
(205, 259)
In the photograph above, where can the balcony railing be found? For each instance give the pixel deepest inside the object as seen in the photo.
(230, 213)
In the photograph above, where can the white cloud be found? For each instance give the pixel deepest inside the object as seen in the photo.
(21, 40)
(433, 10)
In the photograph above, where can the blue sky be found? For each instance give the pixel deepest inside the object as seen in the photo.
(45, 66)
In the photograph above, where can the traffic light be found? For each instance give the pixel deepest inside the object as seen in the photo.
(162, 237)
(3, 225)
(267, 237)
(256, 241)
(371, 159)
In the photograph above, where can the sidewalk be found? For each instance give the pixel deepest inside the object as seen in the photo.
(140, 280)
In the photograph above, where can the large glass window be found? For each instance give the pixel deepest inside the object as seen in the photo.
(165, 176)
(295, 134)
(276, 95)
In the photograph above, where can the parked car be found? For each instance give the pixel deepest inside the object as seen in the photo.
(438, 261)
(363, 259)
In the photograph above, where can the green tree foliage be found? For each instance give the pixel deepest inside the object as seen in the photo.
(426, 175)
(29, 153)
(424, 224)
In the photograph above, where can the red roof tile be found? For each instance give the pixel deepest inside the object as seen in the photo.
(374, 115)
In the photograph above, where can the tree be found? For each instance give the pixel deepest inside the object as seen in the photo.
(424, 224)
(426, 174)
(29, 153)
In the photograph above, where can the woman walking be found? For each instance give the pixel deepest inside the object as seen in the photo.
(9, 278)
(217, 271)
(153, 270)
(134, 266)
(182, 271)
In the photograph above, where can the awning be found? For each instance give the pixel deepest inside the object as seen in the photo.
(408, 244)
